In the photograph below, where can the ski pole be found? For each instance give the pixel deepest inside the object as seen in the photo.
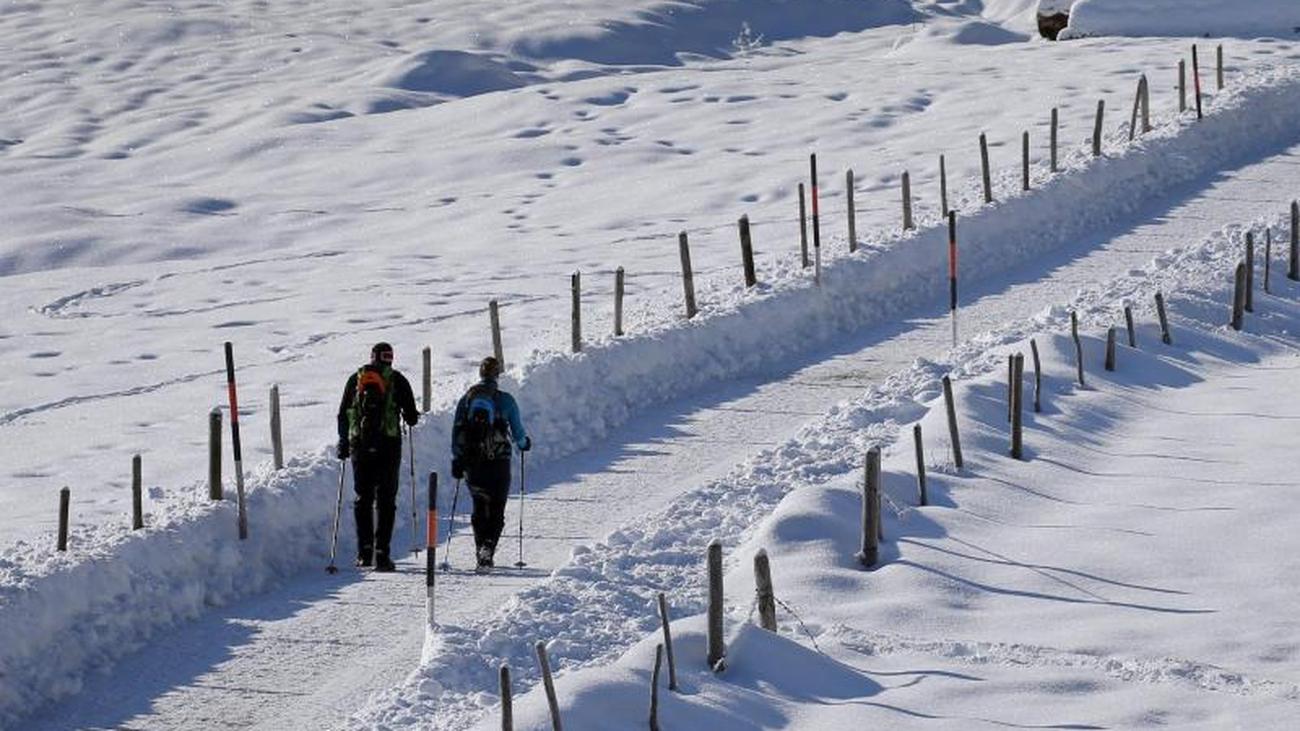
(451, 528)
(431, 543)
(415, 518)
(338, 510)
(520, 563)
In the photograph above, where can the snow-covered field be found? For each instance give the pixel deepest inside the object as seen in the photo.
(308, 178)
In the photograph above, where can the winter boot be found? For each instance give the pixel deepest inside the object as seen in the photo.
(364, 558)
(383, 563)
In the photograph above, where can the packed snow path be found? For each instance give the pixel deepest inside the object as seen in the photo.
(308, 654)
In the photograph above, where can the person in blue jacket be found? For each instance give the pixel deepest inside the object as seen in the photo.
(486, 421)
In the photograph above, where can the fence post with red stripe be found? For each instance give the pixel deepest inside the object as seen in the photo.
(234, 435)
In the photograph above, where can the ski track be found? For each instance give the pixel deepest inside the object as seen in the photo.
(639, 471)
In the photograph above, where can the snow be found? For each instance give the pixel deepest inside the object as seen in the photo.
(1250, 19)
(305, 179)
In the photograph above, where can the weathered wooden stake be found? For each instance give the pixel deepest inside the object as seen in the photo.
(1218, 67)
(953, 436)
(426, 390)
(1078, 344)
(1017, 408)
(853, 213)
(1268, 258)
(1196, 80)
(717, 649)
(1128, 322)
(1238, 296)
(870, 553)
(747, 252)
(816, 220)
(920, 465)
(1142, 103)
(1294, 272)
(1165, 337)
(668, 641)
(494, 316)
(507, 706)
(214, 454)
(1038, 376)
(654, 688)
(277, 433)
(907, 202)
(575, 285)
(619, 285)
(1096, 128)
(1182, 86)
(65, 499)
(548, 683)
(1055, 126)
(763, 587)
(688, 276)
(943, 186)
(984, 164)
(1110, 349)
(803, 229)
(1024, 161)
(137, 494)
(1011, 386)
(1250, 271)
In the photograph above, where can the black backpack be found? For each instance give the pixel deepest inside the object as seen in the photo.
(371, 405)
(483, 435)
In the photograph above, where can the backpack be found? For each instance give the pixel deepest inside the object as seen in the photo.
(483, 435)
(372, 410)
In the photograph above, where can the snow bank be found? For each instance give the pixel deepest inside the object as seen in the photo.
(115, 589)
(1254, 18)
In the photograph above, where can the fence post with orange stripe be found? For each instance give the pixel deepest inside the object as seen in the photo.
(234, 436)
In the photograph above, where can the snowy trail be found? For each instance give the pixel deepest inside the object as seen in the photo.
(295, 658)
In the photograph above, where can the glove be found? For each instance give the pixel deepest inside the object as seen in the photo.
(527, 445)
(412, 419)
(457, 470)
(344, 449)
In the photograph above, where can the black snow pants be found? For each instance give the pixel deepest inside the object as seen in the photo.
(375, 480)
(489, 485)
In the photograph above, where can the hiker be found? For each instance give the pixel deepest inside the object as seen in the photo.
(375, 401)
(487, 418)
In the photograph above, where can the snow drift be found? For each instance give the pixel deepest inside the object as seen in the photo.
(1212, 18)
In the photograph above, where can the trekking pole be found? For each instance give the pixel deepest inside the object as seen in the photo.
(338, 509)
(415, 517)
(520, 563)
(451, 527)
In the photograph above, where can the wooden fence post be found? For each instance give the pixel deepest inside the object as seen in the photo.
(1268, 258)
(1250, 271)
(907, 202)
(1137, 105)
(65, 498)
(953, 436)
(654, 688)
(1055, 126)
(277, 433)
(668, 641)
(575, 285)
(984, 164)
(1011, 378)
(1218, 67)
(1294, 273)
(717, 649)
(1128, 322)
(1038, 376)
(1024, 161)
(1165, 337)
(766, 594)
(747, 252)
(688, 276)
(548, 683)
(137, 494)
(1196, 80)
(619, 285)
(853, 213)
(1097, 126)
(870, 553)
(1017, 409)
(426, 390)
(214, 454)
(507, 706)
(1110, 348)
(816, 220)
(1182, 86)
(1238, 296)
(920, 465)
(803, 229)
(494, 318)
(943, 185)
(1078, 344)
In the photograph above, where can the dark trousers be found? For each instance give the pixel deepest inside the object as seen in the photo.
(489, 485)
(375, 481)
